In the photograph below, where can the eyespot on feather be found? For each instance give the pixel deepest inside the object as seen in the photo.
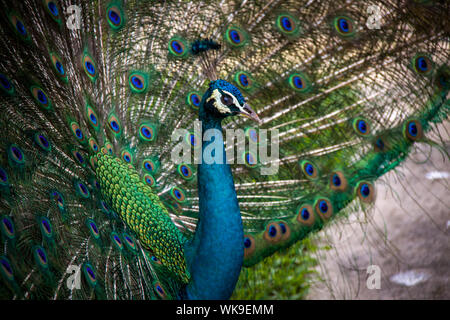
(285, 230)
(78, 157)
(93, 229)
(149, 180)
(244, 80)
(46, 227)
(6, 269)
(115, 16)
(338, 181)
(40, 257)
(58, 66)
(361, 126)
(422, 64)
(299, 82)
(323, 208)
(114, 125)
(178, 47)
(16, 155)
(89, 66)
(442, 79)
(6, 85)
(309, 169)
(365, 191)
(236, 37)
(41, 97)
(18, 26)
(42, 142)
(104, 207)
(92, 117)
(155, 260)
(305, 215)
(381, 144)
(147, 132)
(138, 81)
(412, 130)
(160, 290)
(249, 246)
(272, 233)
(249, 159)
(185, 171)
(52, 8)
(116, 240)
(176, 207)
(82, 189)
(76, 130)
(193, 99)
(287, 25)
(7, 227)
(93, 160)
(178, 194)
(4, 180)
(93, 145)
(193, 140)
(126, 156)
(130, 244)
(344, 26)
(252, 134)
(89, 274)
(58, 200)
(148, 165)
(109, 148)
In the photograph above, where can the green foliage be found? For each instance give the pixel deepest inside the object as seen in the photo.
(286, 275)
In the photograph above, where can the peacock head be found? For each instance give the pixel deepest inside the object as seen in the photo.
(223, 100)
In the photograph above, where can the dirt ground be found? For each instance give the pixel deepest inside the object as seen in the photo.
(406, 234)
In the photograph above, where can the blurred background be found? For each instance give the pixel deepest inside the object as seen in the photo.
(405, 235)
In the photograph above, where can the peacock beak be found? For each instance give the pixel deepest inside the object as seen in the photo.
(248, 112)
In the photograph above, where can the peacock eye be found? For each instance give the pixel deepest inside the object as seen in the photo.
(227, 99)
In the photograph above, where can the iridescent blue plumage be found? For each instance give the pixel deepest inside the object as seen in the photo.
(216, 253)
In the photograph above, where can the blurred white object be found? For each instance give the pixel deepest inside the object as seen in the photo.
(432, 175)
(409, 278)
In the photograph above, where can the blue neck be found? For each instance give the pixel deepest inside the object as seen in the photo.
(216, 254)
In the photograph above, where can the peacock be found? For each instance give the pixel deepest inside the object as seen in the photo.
(117, 180)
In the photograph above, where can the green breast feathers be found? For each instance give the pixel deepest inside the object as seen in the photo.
(143, 212)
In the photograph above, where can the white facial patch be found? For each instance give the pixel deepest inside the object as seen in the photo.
(223, 109)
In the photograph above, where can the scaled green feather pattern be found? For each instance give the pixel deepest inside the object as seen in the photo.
(143, 212)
